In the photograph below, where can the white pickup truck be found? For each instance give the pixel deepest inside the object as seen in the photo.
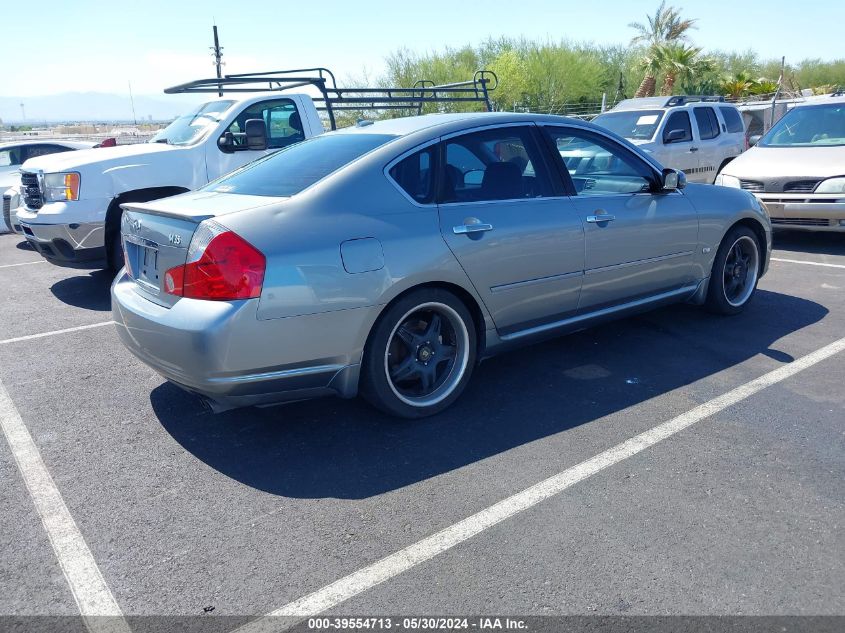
(72, 202)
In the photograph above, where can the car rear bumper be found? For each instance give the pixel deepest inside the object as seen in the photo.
(223, 352)
(806, 213)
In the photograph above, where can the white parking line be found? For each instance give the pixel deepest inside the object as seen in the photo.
(90, 591)
(798, 261)
(40, 261)
(29, 337)
(421, 551)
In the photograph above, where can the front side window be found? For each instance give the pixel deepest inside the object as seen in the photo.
(808, 126)
(708, 124)
(733, 120)
(498, 164)
(678, 128)
(284, 125)
(9, 157)
(42, 150)
(598, 166)
(415, 175)
(192, 127)
(290, 170)
(638, 125)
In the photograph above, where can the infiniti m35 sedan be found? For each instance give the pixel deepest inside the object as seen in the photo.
(388, 258)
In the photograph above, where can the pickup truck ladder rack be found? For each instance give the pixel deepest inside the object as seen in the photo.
(334, 98)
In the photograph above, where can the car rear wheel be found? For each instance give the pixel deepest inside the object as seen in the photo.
(736, 271)
(420, 355)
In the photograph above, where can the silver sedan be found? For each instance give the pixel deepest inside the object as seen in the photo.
(388, 259)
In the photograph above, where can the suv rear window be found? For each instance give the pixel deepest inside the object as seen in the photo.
(708, 124)
(733, 120)
(290, 170)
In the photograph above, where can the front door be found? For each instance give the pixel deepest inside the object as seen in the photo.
(520, 242)
(680, 147)
(638, 243)
(284, 127)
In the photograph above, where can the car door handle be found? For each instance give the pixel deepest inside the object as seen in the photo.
(467, 229)
(693, 149)
(601, 217)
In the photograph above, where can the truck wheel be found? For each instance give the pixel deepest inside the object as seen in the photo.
(114, 251)
(736, 270)
(420, 355)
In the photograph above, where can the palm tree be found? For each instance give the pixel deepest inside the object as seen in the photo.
(665, 27)
(681, 62)
(737, 86)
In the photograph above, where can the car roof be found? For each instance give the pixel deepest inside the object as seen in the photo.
(821, 101)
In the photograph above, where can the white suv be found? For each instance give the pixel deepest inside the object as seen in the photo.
(663, 126)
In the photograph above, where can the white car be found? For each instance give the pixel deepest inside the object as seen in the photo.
(798, 168)
(16, 153)
(697, 135)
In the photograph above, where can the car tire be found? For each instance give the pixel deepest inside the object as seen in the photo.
(420, 354)
(735, 273)
(114, 252)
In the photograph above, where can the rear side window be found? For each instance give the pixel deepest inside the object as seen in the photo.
(733, 120)
(708, 124)
(290, 170)
(678, 120)
(32, 151)
(415, 175)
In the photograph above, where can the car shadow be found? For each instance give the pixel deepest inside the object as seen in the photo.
(818, 242)
(345, 449)
(90, 291)
(24, 245)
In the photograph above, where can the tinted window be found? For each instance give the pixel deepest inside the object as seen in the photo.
(284, 125)
(289, 171)
(598, 166)
(499, 164)
(31, 151)
(416, 176)
(634, 124)
(708, 124)
(733, 120)
(678, 120)
(10, 156)
(808, 126)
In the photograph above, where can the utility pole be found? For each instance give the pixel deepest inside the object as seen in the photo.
(23, 113)
(132, 101)
(217, 53)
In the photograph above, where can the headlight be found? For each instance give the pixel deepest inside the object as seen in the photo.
(831, 185)
(727, 181)
(58, 187)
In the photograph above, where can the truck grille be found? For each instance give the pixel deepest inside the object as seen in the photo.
(751, 185)
(7, 210)
(801, 221)
(31, 191)
(801, 186)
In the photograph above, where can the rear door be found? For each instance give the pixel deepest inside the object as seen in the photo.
(638, 243)
(710, 149)
(517, 236)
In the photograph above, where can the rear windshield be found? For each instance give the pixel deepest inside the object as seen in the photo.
(290, 170)
(808, 126)
(638, 125)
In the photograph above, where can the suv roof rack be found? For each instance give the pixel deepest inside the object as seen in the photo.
(335, 99)
(679, 100)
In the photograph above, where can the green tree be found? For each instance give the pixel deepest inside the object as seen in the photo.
(665, 27)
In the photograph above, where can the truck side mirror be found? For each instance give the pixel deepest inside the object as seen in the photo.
(256, 134)
(226, 143)
(674, 136)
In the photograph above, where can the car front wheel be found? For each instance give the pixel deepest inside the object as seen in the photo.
(736, 271)
(420, 355)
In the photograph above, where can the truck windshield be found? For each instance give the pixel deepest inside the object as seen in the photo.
(290, 170)
(808, 126)
(638, 125)
(190, 128)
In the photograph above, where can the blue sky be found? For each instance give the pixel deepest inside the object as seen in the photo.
(99, 46)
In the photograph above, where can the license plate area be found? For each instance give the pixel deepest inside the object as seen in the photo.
(142, 262)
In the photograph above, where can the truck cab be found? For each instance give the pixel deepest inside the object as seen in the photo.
(71, 201)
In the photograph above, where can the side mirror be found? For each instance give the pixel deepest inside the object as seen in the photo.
(255, 131)
(674, 136)
(673, 179)
(226, 143)
(754, 139)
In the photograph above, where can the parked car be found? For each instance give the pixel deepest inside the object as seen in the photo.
(664, 127)
(11, 202)
(72, 211)
(387, 259)
(798, 168)
(14, 154)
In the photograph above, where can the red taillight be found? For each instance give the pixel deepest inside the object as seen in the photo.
(229, 268)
